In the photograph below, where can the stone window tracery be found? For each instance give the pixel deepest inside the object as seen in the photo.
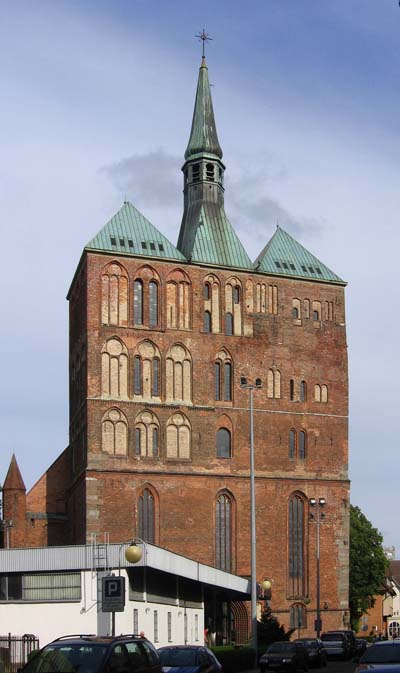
(114, 295)
(211, 310)
(179, 375)
(274, 383)
(114, 433)
(146, 298)
(233, 307)
(178, 300)
(114, 369)
(178, 437)
(147, 433)
(223, 371)
(146, 371)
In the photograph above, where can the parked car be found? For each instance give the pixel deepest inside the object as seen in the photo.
(350, 635)
(190, 658)
(384, 654)
(96, 654)
(336, 644)
(317, 655)
(284, 656)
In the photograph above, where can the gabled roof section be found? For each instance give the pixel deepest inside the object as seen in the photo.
(129, 232)
(208, 237)
(284, 256)
(203, 134)
(13, 480)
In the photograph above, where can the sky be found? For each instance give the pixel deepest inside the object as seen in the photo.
(96, 101)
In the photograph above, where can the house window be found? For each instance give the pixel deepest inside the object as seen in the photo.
(114, 369)
(217, 370)
(296, 546)
(224, 441)
(207, 291)
(138, 441)
(135, 620)
(46, 587)
(146, 373)
(223, 533)
(115, 433)
(296, 310)
(146, 516)
(291, 391)
(155, 383)
(211, 320)
(178, 374)
(227, 381)
(155, 626)
(169, 627)
(236, 294)
(114, 296)
(303, 391)
(137, 375)
(223, 378)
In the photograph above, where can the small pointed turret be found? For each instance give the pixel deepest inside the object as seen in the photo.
(206, 234)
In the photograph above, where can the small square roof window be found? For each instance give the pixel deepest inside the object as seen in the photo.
(292, 266)
(161, 247)
(285, 266)
(122, 242)
(152, 246)
(318, 270)
(310, 268)
(113, 240)
(278, 264)
(144, 245)
(130, 242)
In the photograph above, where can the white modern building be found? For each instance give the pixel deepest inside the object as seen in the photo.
(53, 591)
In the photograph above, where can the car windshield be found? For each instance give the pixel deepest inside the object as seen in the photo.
(311, 644)
(178, 657)
(282, 647)
(67, 659)
(332, 636)
(382, 654)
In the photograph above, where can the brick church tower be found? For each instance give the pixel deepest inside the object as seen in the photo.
(160, 337)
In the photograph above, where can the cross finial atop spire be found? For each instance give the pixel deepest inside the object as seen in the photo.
(204, 37)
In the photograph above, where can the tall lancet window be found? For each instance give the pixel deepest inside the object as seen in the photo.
(296, 546)
(223, 533)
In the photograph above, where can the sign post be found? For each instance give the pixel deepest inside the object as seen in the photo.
(113, 596)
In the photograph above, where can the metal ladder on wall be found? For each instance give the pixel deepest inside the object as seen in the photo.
(100, 557)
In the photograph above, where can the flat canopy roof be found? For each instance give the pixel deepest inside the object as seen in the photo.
(84, 557)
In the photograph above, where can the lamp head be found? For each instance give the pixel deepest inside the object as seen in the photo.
(243, 381)
(133, 553)
(258, 383)
(321, 502)
(266, 584)
(312, 502)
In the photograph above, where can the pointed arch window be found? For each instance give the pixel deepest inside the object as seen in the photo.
(114, 296)
(178, 437)
(303, 391)
(224, 443)
(138, 302)
(114, 368)
(302, 445)
(233, 306)
(211, 297)
(178, 374)
(115, 433)
(296, 546)
(223, 371)
(146, 516)
(146, 435)
(291, 390)
(298, 617)
(223, 533)
(146, 371)
(153, 304)
(207, 291)
(178, 300)
(274, 383)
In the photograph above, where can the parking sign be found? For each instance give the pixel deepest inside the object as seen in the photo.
(113, 594)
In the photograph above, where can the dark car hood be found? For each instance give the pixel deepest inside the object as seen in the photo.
(181, 669)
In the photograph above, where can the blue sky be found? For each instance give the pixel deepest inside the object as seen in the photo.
(96, 104)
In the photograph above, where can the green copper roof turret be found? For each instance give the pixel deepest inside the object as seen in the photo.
(203, 135)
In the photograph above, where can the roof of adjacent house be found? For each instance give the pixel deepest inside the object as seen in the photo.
(130, 233)
(284, 256)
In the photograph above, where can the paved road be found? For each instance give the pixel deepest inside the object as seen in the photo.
(332, 667)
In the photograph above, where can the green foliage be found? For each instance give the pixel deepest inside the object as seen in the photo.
(269, 630)
(368, 564)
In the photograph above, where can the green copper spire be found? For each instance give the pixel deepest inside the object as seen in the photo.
(206, 235)
(203, 135)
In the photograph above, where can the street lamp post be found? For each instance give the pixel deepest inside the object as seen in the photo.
(250, 387)
(317, 506)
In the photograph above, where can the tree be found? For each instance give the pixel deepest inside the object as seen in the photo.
(368, 564)
(269, 630)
